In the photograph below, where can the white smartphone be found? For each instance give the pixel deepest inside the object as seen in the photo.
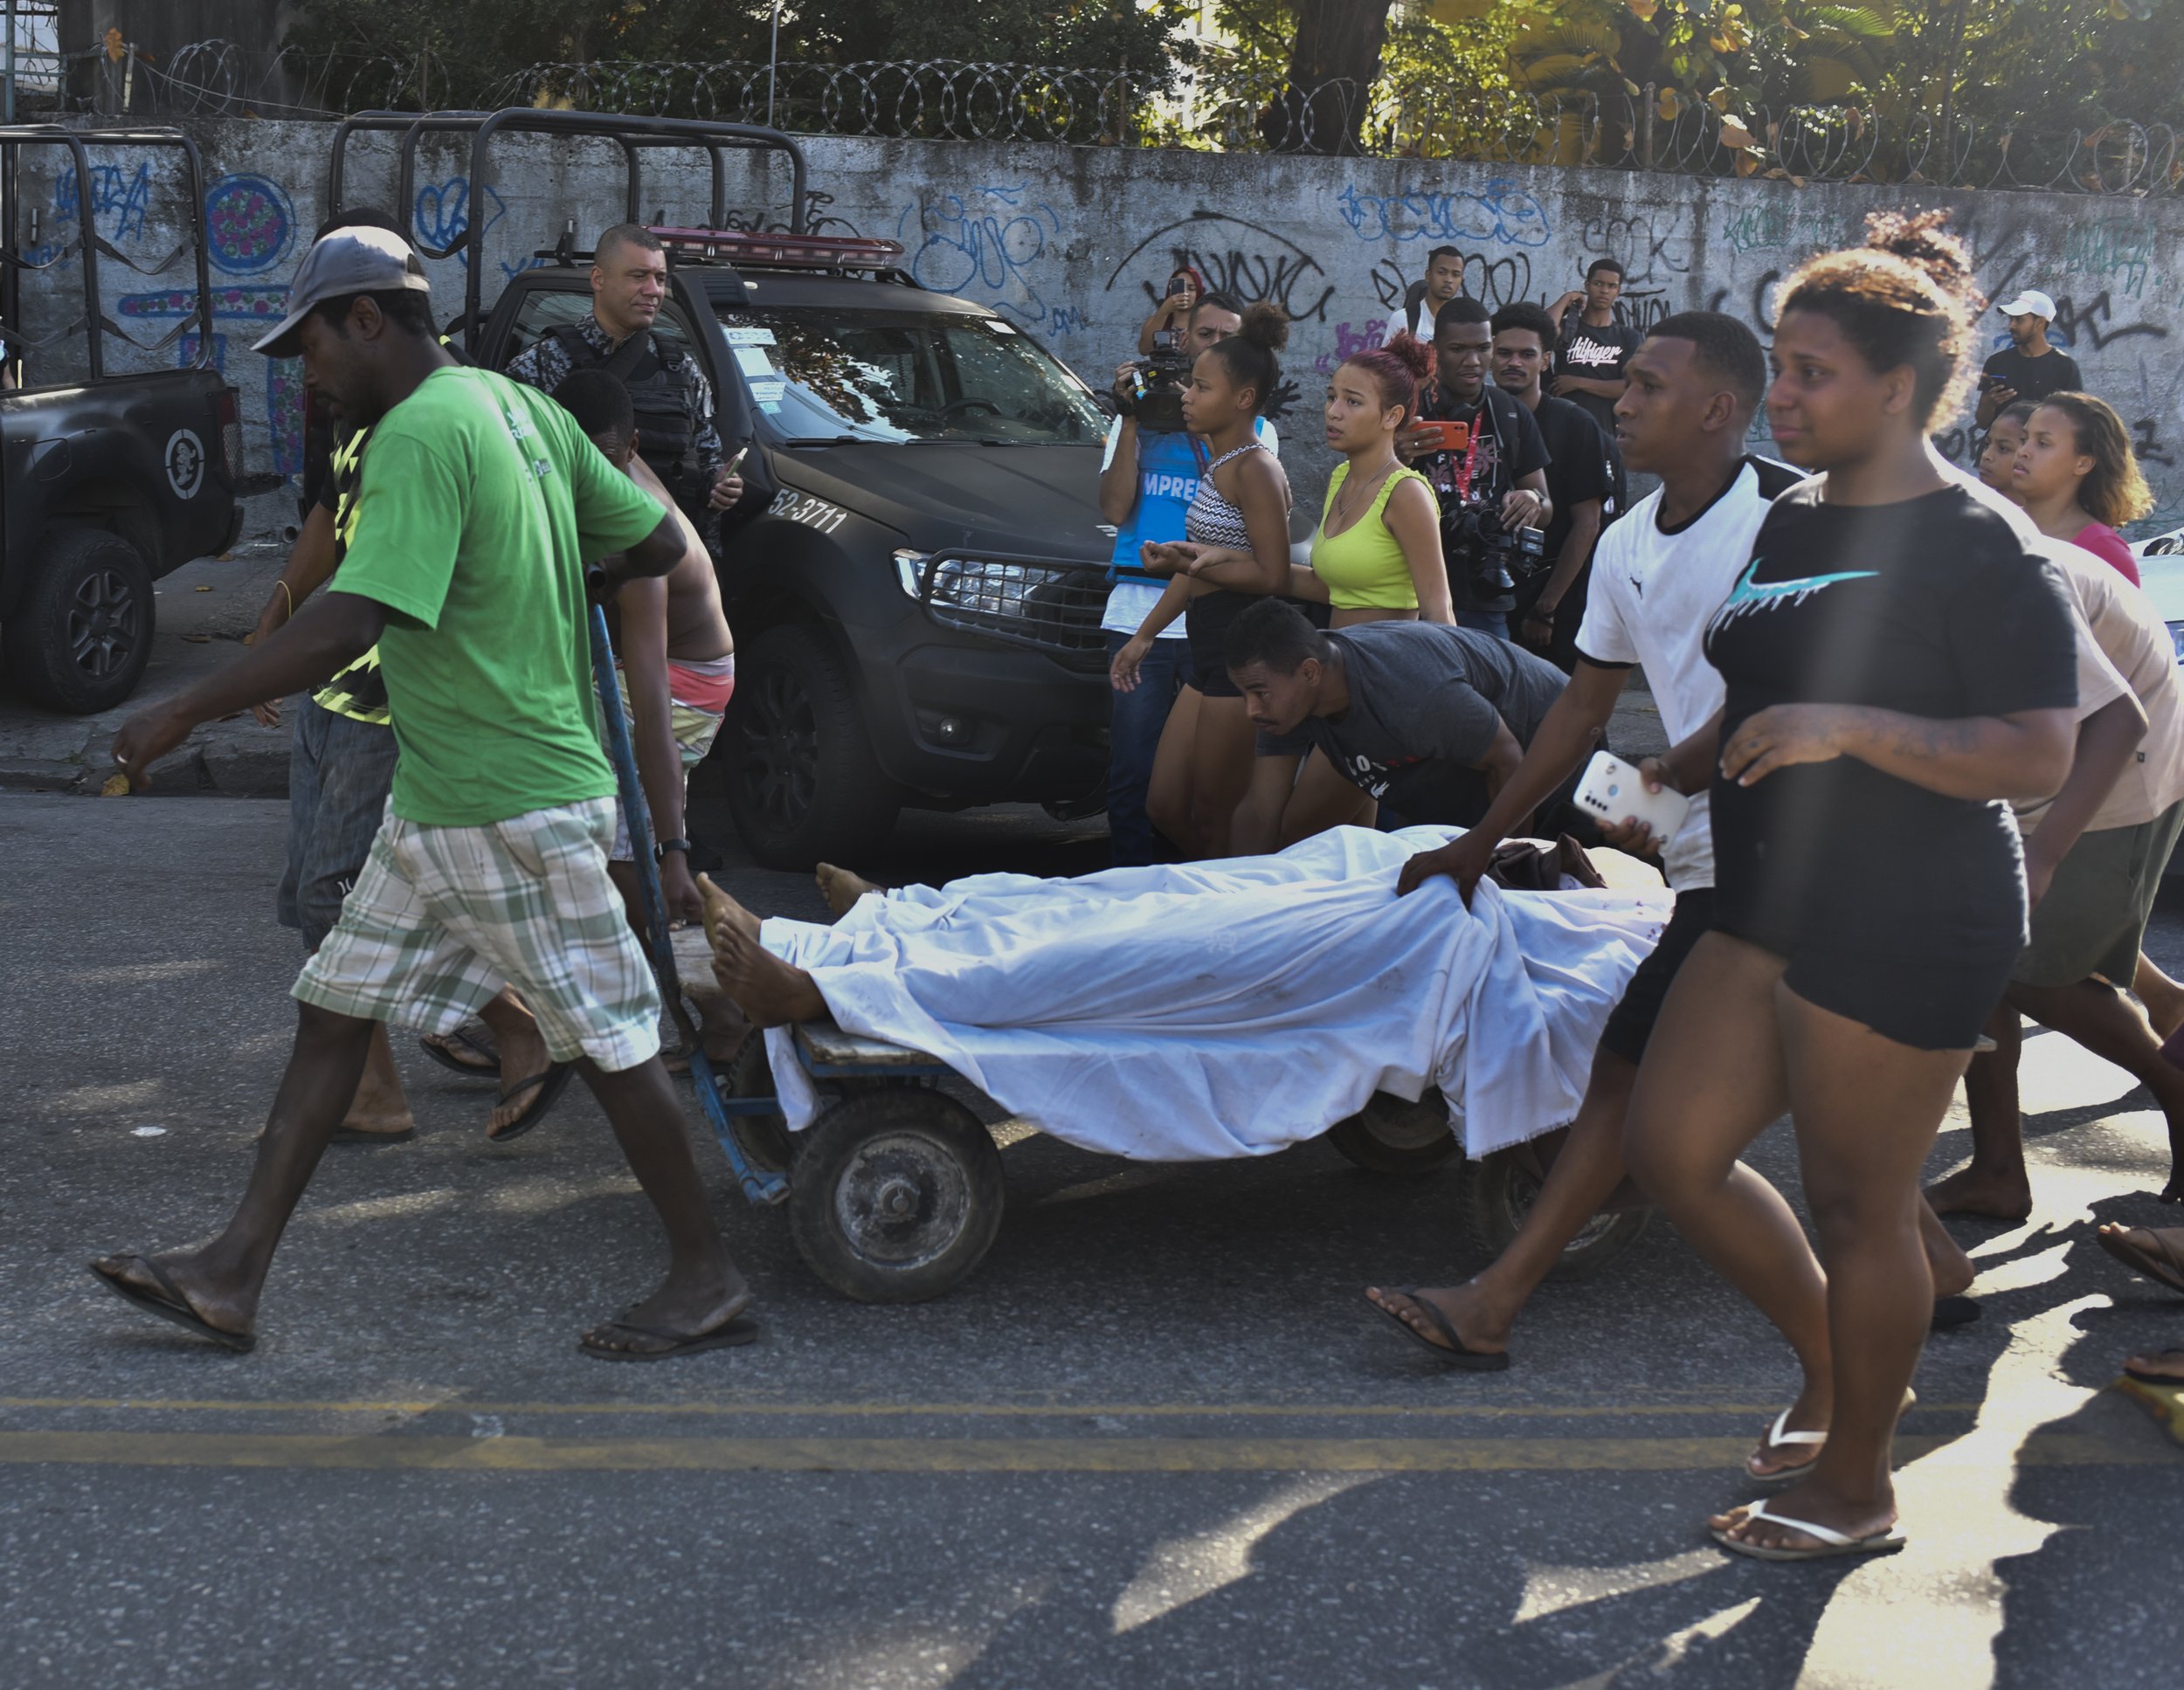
(1615, 791)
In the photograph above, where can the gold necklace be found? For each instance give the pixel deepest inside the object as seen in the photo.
(1350, 487)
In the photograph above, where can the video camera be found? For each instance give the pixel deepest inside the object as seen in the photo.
(1491, 556)
(1472, 537)
(1155, 395)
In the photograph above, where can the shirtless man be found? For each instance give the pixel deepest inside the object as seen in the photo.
(676, 660)
(677, 669)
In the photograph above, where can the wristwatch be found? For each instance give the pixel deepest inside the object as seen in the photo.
(661, 850)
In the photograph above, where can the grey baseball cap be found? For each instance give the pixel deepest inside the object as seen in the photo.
(358, 259)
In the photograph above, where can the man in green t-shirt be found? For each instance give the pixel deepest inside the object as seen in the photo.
(479, 506)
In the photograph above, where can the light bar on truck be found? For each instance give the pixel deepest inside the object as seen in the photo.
(792, 251)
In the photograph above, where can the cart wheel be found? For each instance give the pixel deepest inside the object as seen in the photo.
(1391, 1136)
(764, 1139)
(896, 1195)
(1499, 1192)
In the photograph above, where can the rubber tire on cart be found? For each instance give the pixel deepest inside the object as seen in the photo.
(895, 1196)
(803, 784)
(80, 636)
(766, 1141)
(1496, 1192)
(1391, 1136)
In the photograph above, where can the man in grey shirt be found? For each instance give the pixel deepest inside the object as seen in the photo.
(1427, 719)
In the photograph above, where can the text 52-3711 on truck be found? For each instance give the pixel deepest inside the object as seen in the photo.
(108, 479)
(915, 572)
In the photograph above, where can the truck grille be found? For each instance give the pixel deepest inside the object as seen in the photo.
(1045, 604)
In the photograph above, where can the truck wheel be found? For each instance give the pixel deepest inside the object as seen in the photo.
(79, 640)
(896, 1195)
(1498, 1192)
(804, 786)
(1391, 1136)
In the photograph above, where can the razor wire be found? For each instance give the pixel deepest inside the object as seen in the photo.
(972, 101)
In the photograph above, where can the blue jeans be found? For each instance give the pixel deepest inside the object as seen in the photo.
(1133, 736)
(1486, 622)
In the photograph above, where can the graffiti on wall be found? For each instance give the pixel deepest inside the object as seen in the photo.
(1246, 259)
(1501, 213)
(985, 242)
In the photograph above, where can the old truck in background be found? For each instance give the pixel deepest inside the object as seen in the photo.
(108, 478)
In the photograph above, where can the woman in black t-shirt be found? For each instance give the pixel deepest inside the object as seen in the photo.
(1897, 665)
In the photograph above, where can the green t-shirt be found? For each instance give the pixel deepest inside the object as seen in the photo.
(480, 505)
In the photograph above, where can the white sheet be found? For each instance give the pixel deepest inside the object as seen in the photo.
(1214, 1010)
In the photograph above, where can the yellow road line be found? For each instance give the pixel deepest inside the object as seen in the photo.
(455, 1404)
(399, 1452)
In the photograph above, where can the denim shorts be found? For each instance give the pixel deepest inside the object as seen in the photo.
(339, 773)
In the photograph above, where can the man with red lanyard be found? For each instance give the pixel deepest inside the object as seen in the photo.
(1501, 473)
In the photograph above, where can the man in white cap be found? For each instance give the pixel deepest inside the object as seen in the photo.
(480, 505)
(2028, 368)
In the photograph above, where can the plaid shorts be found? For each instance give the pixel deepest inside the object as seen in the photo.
(442, 917)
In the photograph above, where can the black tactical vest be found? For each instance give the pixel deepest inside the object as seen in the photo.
(665, 398)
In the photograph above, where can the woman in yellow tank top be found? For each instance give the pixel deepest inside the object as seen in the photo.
(1376, 556)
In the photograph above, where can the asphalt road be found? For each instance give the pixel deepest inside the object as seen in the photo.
(1157, 1440)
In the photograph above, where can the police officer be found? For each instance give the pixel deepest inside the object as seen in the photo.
(675, 431)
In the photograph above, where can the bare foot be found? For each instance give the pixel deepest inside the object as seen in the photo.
(841, 889)
(1808, 1500)
(2163, 997)
(379, 1109)
(1970, 1192)
(766, 988)
(1953, 1269)
(672, 1317)
(523, 1056)
(1460, 1303)
(228, 1311)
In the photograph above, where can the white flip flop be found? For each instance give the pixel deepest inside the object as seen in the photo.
(1831, 1541)
(1778, 1437)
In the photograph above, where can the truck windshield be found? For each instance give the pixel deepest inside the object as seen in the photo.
(835, 376)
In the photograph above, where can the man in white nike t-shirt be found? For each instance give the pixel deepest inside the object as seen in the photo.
(1657, 576)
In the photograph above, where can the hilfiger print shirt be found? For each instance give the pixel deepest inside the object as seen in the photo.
(1931, 608)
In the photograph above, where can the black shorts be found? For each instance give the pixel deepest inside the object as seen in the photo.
(1630, 1023)
(1926, 1005)
(1205, 620)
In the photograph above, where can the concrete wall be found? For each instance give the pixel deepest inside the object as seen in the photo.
(1073, 244)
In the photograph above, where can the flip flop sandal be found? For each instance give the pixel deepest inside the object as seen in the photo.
(550, 1086)
(2168, 1381)
(1831, 1542)
(1951, 1312)
(172, 1306)
(1779, 1437)
(487, 1067)
(730, 1333)
(2163, 1268)
(1455, 1352)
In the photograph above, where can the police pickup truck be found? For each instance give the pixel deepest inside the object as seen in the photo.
(915, 574)
(108, 480)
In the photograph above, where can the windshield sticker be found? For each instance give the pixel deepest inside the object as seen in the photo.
(769, 393)
(738, 335)
(997, 326)
(771, 407)
(754, 361)
(813, 513)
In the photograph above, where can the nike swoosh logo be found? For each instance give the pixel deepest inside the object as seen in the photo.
(1750, 595)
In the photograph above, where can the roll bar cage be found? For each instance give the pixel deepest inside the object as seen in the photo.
(92, 245)
(633, 133)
